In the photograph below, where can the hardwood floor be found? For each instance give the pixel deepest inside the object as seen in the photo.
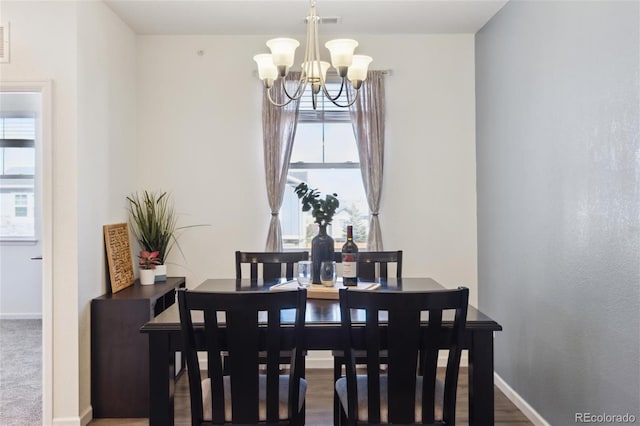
(320, 404)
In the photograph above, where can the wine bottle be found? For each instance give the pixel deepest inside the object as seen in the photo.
(350, 260)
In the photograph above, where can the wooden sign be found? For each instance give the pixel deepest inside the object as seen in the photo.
(116, 240)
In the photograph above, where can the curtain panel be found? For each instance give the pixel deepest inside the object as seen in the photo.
(368, 118)
(278, 132)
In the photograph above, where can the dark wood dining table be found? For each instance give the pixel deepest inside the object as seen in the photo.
(322, 333)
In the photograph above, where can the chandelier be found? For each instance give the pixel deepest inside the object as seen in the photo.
(274, 67)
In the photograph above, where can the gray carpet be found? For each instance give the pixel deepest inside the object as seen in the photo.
(20, 372)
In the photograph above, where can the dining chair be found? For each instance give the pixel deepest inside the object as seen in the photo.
(252, 326)
(400, 395)
(373, 265)
(269, 266)
(272, 264)
(368, 263)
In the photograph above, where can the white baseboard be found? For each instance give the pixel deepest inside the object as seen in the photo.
(21, 316)
(66, 421)
(87, 416)
(519, 402)
(83, 420)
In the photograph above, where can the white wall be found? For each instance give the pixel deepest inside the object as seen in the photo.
(106, 155)
(89, 55)
(43, 47)
(200, 137)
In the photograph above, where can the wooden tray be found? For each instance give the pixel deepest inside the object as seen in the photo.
(318, 291)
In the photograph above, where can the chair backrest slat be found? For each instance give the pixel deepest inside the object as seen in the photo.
(403, 337)
(373, 346)
(429, 364)
(403, 344)
(273, 364)
(272, 264)
(214, 363)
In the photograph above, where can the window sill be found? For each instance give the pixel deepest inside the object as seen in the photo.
(18, 241)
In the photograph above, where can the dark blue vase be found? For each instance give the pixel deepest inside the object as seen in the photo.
(321, 249)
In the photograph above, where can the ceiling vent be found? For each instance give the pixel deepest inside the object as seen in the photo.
(330, 19)
(4, 42)
(327, 20)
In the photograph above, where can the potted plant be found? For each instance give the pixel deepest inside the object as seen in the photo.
(322, 210)
(148, 262)
(153, 220)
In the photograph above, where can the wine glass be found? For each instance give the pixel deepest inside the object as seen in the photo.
(304, 273)
(328, 273)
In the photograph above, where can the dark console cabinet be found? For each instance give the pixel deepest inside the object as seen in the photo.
(119, 352)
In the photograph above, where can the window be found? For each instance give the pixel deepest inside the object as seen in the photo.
(17, 177)
(325, 156)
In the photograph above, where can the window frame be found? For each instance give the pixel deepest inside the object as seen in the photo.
(321, 116)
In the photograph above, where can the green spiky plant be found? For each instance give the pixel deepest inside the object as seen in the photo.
(322, 210)
(153, 220)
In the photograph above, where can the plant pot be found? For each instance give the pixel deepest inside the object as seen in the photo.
(147, 276)
(321, 249)
(161, 272)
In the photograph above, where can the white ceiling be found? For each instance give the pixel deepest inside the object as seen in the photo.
(286, 17)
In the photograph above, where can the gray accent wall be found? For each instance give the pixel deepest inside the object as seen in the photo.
(558, 187)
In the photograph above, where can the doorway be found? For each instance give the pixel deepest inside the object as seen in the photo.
(27, 220)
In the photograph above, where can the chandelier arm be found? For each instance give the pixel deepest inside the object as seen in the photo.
(307, 61)
(274, 103)
(349, 103)
(308, 53)
(317, 55)
(298, 92)
(328, 95)
(323, 83)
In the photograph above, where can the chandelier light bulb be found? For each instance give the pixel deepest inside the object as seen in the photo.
(313, 71)
(267, 71)
(283, 51)
(358, 68)
(341, 51)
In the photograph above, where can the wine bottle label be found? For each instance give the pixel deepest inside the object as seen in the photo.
(349, 257)
(349, 269)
